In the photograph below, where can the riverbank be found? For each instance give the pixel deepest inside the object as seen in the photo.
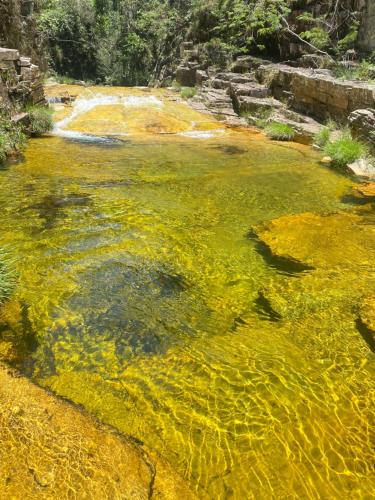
(300, 98)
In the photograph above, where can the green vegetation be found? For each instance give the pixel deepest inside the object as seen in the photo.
(364, 71)
(260, 118)
(12, 137)
(40, 120)
(7, 277)
(321, 138)
(345, 150)
(280, 131)
(188, 92)
(136, 42)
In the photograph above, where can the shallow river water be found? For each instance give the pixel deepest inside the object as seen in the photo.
(147, 298)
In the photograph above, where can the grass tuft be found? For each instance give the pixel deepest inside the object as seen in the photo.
(188, 92)
(345, 150)
(321, 138)
(280, 131)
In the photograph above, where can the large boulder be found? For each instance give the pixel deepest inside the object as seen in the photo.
(185, 76)
(8, 54)
(362, 168)
(362, 124)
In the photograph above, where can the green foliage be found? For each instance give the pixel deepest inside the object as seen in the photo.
(318, 37)
(321, 138)
(345, 150)
(40, 120)
(216, 53)
(135, 42)
(128, 42)
(188, 92)
(280, 131)
(12, 137)
(7, 276)
(349, 40)
(67, 31)
(364, 71)
(259, 118)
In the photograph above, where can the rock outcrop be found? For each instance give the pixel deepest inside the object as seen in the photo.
(297, 96)
(362, 124)
(20, 81)
(316, 92)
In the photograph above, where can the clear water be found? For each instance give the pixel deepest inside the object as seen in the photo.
(148, 301)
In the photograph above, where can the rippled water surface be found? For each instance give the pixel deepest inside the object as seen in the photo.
(148, 299)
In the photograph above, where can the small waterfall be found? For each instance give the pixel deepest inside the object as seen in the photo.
(83, 105)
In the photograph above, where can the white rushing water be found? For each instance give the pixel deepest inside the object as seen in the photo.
(84, 104)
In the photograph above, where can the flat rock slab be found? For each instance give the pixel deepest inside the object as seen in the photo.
(8, 54)
(50, 449)
(325, 241)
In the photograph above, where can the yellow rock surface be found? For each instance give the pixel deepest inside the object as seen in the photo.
(50, 449)
(326, 241)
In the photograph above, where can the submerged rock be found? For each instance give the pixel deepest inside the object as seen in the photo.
(50, 448)
(325, 241)
(366, 190)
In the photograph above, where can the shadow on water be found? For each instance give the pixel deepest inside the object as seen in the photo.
(51, 208)
(366, 334)
(22, 336)
(265, 310)
(350, 199)
(286, 266)
(229, 149)
(98, 141)
(135, 306)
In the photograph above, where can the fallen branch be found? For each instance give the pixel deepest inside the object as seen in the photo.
(289, 30)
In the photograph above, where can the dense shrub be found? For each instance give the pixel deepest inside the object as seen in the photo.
(12, 137)
(40, 120)
(280, 131)
(345, 150)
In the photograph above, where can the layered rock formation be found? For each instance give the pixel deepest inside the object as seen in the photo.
(316, 92)
(20, 81)
(293, 95)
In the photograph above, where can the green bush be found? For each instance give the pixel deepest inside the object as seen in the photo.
(322, 137)
(280, 131)
(12, 137)
(7, 277)
(345, 150)
(40, 120)
(188, 92)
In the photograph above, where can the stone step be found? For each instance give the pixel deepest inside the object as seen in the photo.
(249, 89)
(247, 104)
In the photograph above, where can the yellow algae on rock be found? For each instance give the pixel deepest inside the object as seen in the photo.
(327, 241)
(135, 112)
(50, 449)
